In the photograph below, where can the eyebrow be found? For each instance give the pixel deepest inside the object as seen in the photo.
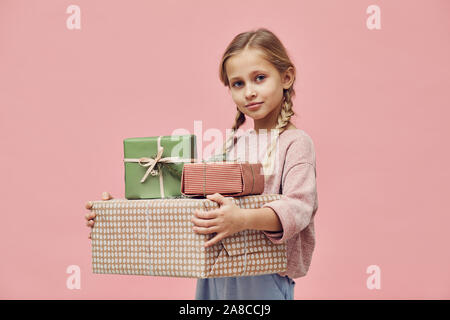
(253, 72)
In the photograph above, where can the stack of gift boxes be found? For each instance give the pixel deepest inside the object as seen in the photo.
(150, 232)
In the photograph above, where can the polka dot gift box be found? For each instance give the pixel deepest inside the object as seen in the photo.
(154, 237)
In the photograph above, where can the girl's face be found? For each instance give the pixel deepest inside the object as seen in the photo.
(252, 80)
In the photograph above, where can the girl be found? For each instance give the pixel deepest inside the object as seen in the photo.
(260, 77)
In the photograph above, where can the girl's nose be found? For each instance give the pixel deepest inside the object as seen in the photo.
(250, 93)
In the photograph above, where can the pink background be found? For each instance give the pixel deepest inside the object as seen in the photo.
(375, 102)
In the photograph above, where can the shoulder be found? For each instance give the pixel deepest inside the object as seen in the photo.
(299, 146)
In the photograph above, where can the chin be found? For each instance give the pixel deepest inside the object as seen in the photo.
(253, 115)
(260, 114)
(257, 117)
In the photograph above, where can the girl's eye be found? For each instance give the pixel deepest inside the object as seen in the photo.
(261, 76)
(235, 84)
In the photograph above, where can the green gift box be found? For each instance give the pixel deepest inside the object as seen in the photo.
(153, 165)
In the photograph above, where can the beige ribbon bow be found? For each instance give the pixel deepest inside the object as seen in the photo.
(151, 162)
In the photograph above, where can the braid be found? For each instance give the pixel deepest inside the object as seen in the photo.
(286, 112)
(284, 117)
(239, 120)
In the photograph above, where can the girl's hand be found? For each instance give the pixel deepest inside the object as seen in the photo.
(225, 221)
(90, 216)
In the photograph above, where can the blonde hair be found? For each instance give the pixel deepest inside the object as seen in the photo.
(275, 53)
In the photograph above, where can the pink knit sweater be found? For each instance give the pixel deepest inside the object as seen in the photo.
(293, 175)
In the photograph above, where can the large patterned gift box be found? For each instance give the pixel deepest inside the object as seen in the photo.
(155, 238)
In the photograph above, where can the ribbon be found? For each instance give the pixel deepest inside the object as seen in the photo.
(151, 163)
(245, 242)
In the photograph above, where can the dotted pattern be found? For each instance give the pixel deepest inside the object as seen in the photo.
(155, 237)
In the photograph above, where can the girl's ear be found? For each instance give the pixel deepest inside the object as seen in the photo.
(288, 78)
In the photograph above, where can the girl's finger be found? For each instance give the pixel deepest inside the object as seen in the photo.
(89, 237)
(211, 214)
(214, 240)
(90, 215)
(217, 197)
(203, 230)
(203, 222)
(106, 196)
(89, 205)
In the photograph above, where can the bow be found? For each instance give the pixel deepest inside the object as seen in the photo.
(151, 162)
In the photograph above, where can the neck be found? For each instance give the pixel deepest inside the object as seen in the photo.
(267, 123)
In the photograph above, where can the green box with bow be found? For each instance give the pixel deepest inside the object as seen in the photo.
(153, 165)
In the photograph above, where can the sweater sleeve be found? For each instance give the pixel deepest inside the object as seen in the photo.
(299, 196)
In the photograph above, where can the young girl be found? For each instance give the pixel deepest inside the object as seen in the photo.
(260, 76)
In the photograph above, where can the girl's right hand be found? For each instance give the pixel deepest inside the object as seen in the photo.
(90, 216)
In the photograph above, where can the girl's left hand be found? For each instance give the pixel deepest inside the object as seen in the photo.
(225, 221)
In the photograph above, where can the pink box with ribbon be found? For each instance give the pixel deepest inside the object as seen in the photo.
(230, 178)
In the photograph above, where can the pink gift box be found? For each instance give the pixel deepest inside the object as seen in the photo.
(226, 178)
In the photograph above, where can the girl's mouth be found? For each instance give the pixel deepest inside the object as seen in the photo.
(254, 106)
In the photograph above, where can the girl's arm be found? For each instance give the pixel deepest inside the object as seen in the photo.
(298, 202)
(261, 219)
